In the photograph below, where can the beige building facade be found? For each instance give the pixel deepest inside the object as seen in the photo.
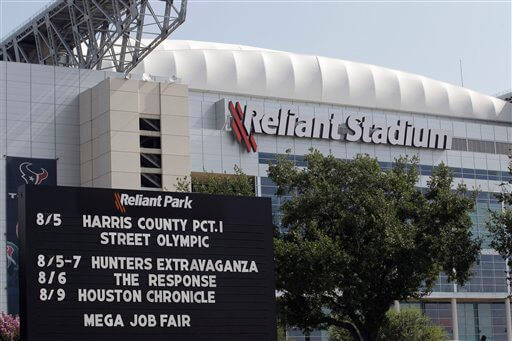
(113, 116)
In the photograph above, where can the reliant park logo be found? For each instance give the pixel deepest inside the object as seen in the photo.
(283, 122)
(117, 202)
(121, 200)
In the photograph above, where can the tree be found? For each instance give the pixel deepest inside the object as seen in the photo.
(338, 334)
(406, 325)
(500, 223)
(222, 184)
(410, 325)
(281, 332)
(360, 238)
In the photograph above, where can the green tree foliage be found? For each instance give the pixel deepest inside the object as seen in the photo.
(281, 333)
(410, 325)
(361, 238)
(221, 184)
(500, 223)
(406, 325)
(338, 334)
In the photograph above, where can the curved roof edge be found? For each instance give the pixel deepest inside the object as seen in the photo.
(254, 71)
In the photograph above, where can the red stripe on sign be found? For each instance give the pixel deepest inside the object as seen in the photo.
(234, 125)
(253, 143)
(236, 116)
(118, 203)
(245, 133)
(236, 131)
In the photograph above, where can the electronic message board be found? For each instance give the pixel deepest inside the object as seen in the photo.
(102, 264)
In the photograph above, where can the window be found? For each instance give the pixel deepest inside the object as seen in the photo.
(481, 174)
(150, 142)
(489, 275)
(503, 148)
(459, 144)
(479, 319)
(426, 170)
(481, 146)
(494, 175)
(440, 314)
(151, 160)
(442, 284)
(151, 180)
(468, 173)
(149, 124)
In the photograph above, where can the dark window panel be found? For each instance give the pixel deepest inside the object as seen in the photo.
(149, 124)
(459, 144)
(150, 142)
(503, 148)
(151, 160)
(151, 180)
(267, 182)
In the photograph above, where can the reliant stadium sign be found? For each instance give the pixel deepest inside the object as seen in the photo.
(287, 123)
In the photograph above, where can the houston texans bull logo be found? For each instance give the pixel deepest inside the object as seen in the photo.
(12, 256)
(31, 177)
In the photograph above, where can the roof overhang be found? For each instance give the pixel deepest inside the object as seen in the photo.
(259, 72)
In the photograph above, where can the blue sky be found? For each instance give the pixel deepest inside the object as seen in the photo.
(424, 37)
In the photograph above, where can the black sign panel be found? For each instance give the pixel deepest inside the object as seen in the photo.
(19, 171)
(100, 264)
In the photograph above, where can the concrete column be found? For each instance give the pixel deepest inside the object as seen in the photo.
(397, 306)
(455, 320)
(507, 316)
(175, 134)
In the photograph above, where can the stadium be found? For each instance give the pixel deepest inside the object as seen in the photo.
(175, 108)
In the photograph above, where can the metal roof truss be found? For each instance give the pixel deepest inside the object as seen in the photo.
(94, 34)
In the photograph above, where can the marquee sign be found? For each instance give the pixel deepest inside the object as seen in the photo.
(284, 122)
(101, 264)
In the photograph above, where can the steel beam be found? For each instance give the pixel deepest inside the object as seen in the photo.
(94, 34)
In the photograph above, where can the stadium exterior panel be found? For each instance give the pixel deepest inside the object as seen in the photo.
(196, 107)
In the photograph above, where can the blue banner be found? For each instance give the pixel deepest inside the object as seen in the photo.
(20, 171)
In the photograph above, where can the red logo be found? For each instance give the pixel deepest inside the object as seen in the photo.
(117, 202)
(10, 251)
(239, 129)
(12, 256)
(31, 177)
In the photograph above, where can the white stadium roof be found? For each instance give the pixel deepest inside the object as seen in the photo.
(254, 71)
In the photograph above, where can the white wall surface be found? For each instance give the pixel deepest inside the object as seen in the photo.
(215, 150)
(39, 118)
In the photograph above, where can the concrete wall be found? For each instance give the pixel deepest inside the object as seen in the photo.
(39, 118)
(109, 132)
(174, 106)
(96, 144)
